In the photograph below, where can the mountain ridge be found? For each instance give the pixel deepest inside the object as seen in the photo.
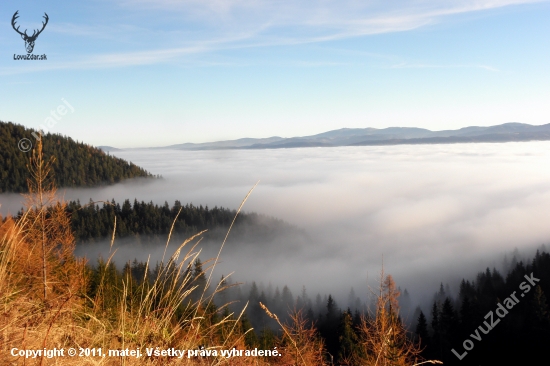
(507, 132)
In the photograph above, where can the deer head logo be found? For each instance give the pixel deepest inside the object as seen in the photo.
(29, 40)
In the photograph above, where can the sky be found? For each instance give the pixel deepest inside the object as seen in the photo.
(161, 72)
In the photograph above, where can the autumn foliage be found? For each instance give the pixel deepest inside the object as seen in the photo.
(50, 299)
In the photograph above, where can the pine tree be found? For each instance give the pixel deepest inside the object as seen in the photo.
(436, 331)
(422, 329)
(331, 308)
(267, 338)
(250, 338)
(199, 279)
(351, 298)
(348, 351)
(318, 304)
(253, 296)
(539, 312)
(288, 300)
(328, 326)
(448, 326)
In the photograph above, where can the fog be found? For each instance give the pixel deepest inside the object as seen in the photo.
(429, 213)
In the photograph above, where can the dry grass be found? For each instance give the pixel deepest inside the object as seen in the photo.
(46, 301)
(159, 314)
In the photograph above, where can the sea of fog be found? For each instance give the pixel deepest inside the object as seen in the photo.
(428, 213)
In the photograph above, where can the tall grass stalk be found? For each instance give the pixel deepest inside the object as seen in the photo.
(49, 299)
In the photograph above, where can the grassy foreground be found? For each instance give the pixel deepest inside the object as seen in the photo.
(50, 300)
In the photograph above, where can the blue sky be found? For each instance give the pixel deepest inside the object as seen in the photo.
(160, 72)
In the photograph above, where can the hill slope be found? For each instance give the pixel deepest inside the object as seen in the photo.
(91, 222)
(77, 164)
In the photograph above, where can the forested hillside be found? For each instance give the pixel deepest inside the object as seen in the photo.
(517, 335)
(92, 221)
(77, 164)
(497, 319)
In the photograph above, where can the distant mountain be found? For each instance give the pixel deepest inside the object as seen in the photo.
(386, 136)
(77, 164)
(231, 144)
(108, 148)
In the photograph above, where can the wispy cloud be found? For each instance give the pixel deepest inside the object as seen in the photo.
(234, 24)
(434, 66)
(329, 18)
(135, 58)
(196, 27)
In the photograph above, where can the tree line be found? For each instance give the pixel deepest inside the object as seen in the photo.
(496, 318)
(95, 221)
(439, 330)
(77, 164)
(343, 336)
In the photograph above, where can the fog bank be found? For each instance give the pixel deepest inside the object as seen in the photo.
(431, 213)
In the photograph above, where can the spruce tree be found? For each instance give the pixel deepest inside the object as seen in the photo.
(199, 279)
(421, 330)
(436, 331)
(348, 348)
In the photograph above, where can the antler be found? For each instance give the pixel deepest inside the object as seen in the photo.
(43, 25)
(15, 16)
(34, 34)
